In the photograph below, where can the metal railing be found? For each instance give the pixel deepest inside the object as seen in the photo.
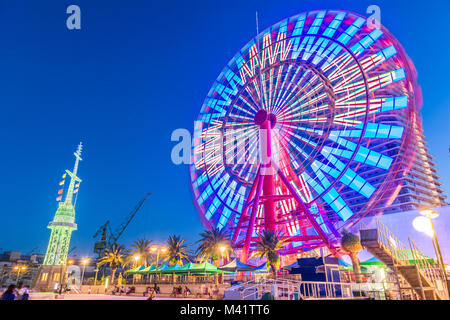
(392, 244)
(399, 253)
(431, 270)
(255, 289)
(285, 289)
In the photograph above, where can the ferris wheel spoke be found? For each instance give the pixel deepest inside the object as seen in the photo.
(311, 92)
(353, 71)
(277, 88)
(238, 116)
(252, 106)
(282, 88)
(249, 161)
(313, 110)
(264, 99)
(339, 66)
(239, 124)
(249, 113)
(308, 143)
(298, 126)
(289, 82)
(299, 150)
(297, 91)
(270, 90)
(238, 142)
(357, 89)
(257, 100)
(355, 75)
(243, 162)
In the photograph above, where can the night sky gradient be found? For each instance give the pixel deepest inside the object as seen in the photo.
(136, 71)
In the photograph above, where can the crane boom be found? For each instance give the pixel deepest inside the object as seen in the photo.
(102, 229)
(118, 232)
(29, 253)
(108, 237)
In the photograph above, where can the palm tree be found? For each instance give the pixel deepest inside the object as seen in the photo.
(267, 246)
(214, 243)
(176, 250)
(352, 245)
(141, 249)
(115, 256)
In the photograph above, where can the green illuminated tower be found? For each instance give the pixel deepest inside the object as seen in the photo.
(64, 221)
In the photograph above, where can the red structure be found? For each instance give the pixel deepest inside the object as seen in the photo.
(265, 182)
(295, 125)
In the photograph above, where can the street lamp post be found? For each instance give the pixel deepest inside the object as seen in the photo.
(136, 260)
(63, 270)
(84, 261)
(431, 214)
(158, 249)
(19, 268)
(96, 274)
(62, 275)
(222, 250)
(70, 262)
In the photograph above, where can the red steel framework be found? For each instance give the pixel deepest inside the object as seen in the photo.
(263, 193)
(332, 117)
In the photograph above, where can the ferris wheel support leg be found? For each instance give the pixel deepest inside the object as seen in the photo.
(251, 223)
(327, 222)
(310, 218)
(268, 172)
(245, 210)
(269, 205)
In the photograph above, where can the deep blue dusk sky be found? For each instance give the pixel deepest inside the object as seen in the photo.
(136, 71)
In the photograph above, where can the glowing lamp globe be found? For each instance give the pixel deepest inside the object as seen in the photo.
(423, 224)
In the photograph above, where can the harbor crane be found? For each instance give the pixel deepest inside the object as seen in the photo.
(108, 237)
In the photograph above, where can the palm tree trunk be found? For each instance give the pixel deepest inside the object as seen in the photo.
(356, 267)
(113, 273)
(216, 264)
(274, 270)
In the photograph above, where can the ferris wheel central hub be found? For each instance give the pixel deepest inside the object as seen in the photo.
(261, 116)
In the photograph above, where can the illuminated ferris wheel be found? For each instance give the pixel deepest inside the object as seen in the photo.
(292, 123)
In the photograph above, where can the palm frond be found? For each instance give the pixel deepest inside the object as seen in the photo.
(177, 250)
(210, 243)
(267, 246)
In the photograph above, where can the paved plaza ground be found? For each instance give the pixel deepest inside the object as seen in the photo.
(51, 296)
